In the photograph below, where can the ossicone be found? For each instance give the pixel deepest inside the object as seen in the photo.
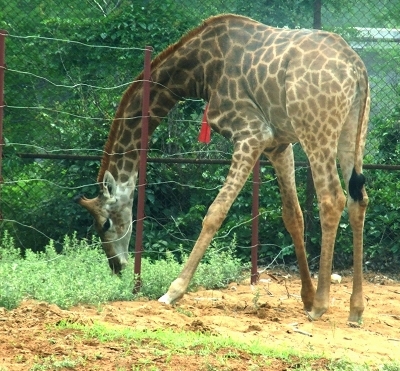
(78, 198)
(91, 205)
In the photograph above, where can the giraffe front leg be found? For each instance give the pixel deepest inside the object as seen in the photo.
(216, 214)
(179, 286)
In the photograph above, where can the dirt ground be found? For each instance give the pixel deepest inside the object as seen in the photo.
(270, 313)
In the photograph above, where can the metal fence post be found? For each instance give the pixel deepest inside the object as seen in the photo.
(3, 34)
(142, 168)
(317, 24)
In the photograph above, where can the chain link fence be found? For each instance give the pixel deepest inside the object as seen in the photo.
(67, 67)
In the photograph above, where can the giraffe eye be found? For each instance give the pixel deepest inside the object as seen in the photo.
(106, 225)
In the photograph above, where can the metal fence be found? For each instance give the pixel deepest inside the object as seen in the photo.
(67, 66)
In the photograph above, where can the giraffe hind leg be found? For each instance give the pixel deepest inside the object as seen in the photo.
(331, 201)
(356, 204)
(283, 163)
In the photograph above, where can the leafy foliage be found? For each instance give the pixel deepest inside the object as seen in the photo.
(80, 274)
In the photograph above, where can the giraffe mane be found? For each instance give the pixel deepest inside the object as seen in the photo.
(129, 91)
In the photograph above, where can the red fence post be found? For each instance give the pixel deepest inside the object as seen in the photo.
(3, 35)
(254, 224)
(142, 169)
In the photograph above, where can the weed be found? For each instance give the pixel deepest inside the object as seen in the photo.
(19, 358)
(394, 366)
(310, 347)
(185, 312)
(256, 298)
(37, 367)
(346, 365)
(52, 340)
(52, 363)
(231, 354)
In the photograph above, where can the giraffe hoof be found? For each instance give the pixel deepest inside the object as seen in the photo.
(314, 314)
(309, 316)
(355, 318)
(356, 309)
(166, 299)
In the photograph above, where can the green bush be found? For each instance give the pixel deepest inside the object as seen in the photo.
(80, 274)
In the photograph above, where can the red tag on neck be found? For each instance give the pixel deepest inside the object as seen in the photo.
(205, 130)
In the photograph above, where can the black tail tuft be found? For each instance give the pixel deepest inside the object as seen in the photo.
(356, 184)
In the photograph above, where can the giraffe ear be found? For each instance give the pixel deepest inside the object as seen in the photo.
(109, 185)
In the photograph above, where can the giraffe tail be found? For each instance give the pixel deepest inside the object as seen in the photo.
(357, 179)
(356, 183)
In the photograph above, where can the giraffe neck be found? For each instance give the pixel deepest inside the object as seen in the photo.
(122, 157)
(170, 83)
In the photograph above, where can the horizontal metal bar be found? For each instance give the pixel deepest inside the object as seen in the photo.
(179, 160)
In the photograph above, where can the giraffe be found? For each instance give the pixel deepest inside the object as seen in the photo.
(266, 88)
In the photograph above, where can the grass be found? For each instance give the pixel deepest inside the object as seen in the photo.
(166, 343)
(80, 274)
(53, 363)
(217, 352)
(182, 341)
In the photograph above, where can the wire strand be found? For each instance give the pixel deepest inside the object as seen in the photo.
(69, 86)
(29, 37)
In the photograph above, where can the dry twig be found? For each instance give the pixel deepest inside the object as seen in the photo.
(302, 332)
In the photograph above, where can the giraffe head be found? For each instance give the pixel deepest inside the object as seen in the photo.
(112, 213)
